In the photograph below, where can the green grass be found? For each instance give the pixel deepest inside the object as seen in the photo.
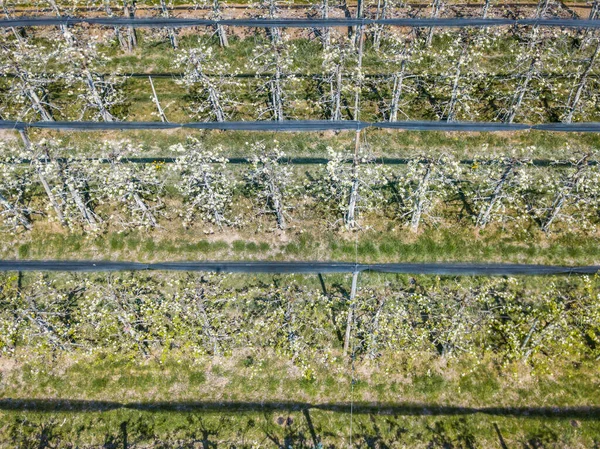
(452, 244)
(382, 143)
(167, 403)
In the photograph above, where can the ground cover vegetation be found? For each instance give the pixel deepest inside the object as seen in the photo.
(290, 361)
(217, 346)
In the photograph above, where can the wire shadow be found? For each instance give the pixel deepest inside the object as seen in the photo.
(406, 409)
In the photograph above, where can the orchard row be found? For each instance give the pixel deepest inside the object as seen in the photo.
(213, 314)
(202, 188)
(526, 74)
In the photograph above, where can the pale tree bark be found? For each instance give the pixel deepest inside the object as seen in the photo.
(575, 97)
(276, 94)
(53, 201)
(325, 32)
(63, 28)
(436, 8)
(223, 41)
(129, 12)
(28, 90)
(214, 97)
(381, 13)
(451, 107)
(145, 210)
(171, 31)
(335, 87)
(534, 53)
(19, 33)
(217, 216)
(486, 8)
(350, 316)
(277, 204)
(86, 213)
(52, 198)
(484, 214)
(208, 329)
(120, 38)
(97, 99)
(274, 33)
(350, 217)
(590, 33)
(517, 99)
(595, 11)
(397, 88)
(421, 198)
(36, 317)
(374, 343)
(568, 187)
(216, 104)
(37, 104)
(289, 318)
(161, 112)
(360, 6)
(20, 216)
(68, 179)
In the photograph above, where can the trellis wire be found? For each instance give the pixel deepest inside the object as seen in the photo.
(442, 268)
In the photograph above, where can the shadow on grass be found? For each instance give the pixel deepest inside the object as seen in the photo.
(407, 409)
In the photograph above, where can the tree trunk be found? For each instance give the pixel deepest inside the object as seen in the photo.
(17, 213)
(421, 198)
(277, 95)
(213, 94)
(517, 100)
(484, 215)
(397, 91)
(350, 218)
(289, 319)
(208, 328)
(19, 33)
(325, 32)
(594, 11)
(486, 8)
(129, 11)
(145, 209)
(216, 104)
(118, 34)
(274, 33)
(359, 29)
(350, 317)
(85, 211)
(106, 115)
(30, 93)
(562, 195)
(63, 28)
(171, 31)
(574, 99)
(450, 109)
(161, 113)
(52, 198)
(381, 12)
(43, 181)
(275, 196)
(436, 7)
(208, 186)
(336, 95)
(375, 330)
